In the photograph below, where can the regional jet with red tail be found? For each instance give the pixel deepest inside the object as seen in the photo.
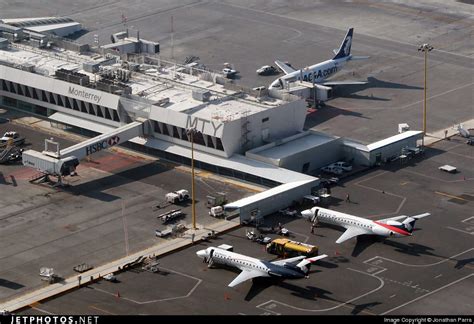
(398, 226)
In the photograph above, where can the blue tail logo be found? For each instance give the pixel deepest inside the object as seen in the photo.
(345, 48)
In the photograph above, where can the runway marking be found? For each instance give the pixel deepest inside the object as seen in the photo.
(424, 265)
(438, 276)
(375, 264)
(460, 230)
(41, 310)
(404, 199)
(199, 281)
(466, 220)
(435, 96)
(430, 293)
(102, 310)
(306, 238)
(461, 155)
(406, 284)
(436, 178)
(450, 196)
(304, 21)
(345, 304)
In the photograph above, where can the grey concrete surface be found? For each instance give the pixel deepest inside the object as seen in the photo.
(427, 273)
(89, 221)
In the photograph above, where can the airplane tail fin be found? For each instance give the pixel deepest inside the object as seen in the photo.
(305, 264)
(345, 48)
(409, 222)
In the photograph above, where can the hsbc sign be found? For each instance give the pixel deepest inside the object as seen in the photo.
(102, 145)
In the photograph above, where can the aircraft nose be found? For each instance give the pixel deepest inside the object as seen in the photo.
(307, 213)
(202, 254)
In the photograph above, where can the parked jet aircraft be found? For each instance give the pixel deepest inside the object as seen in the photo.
(355, 226)
(292, 268)
(319, 72)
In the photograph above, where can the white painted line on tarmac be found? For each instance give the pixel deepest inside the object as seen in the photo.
(392, 296)
(199, 281)
(438, 276)
(436, 178)
(426, 265)
(430, 293)
(464, 221)
(262, 306)
(306, 238)
(460, 230)
(42, 310)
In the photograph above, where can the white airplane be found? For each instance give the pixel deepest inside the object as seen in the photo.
(292, 268)
(317, 73)
(355, 226)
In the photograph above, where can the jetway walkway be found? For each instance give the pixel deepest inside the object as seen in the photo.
(62, 162)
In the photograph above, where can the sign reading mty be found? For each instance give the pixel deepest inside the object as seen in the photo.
(102, 145)
(193, 123)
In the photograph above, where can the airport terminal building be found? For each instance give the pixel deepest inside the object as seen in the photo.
(259, 139)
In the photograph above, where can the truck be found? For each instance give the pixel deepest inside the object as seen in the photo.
(287, 248)
(172, 214)
(177, 196)
(11, 137)
(217, 211)
(217, 199)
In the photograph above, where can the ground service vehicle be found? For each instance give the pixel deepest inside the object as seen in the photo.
(13, 138)
(177, 196)
(342, 165)
(217, 211)
(266, 70)
(287, 248)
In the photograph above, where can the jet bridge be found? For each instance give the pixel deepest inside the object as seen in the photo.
(63, 162)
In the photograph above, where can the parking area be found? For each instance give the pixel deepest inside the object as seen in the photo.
(364, 276)
(106, 213)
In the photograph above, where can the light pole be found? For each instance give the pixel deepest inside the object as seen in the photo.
(425, 48)
(191, 132)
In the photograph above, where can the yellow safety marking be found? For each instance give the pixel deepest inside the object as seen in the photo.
(450, 196)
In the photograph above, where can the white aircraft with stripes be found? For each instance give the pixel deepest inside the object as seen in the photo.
(292, 268)
(398, 226)
(319, 72)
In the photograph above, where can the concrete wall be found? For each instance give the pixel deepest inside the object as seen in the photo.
(274, 203)
(392, 150)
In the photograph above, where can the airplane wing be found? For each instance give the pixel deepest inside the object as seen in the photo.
(352, 232)
(358, 58)
(333, 83)
(285, 67)
(289, 260)
(246, 275)
(396, 218)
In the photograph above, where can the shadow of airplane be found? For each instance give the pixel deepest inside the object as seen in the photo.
(363, 242)
(411, 248)
(329, 112)
(258, 286)
(461, 263)
(360, 308)
(310, 292)
(348, 90)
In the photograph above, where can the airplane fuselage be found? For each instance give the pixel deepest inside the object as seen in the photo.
(243, 262)
(316, 73)
(345, 220)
